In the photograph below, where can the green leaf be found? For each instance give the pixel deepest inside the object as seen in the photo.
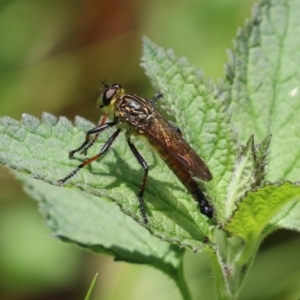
(264, 79)
(248, 172)
(261, 152)
(288, 217)
(258, 208)
(98, 225)
(41, 150)
(199, 111)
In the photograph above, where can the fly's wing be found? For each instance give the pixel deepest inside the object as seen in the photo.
(163, 135)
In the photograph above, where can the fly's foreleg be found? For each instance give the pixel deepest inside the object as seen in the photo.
(144, 165)
(88, 142)
(91, 143)
(88, 161)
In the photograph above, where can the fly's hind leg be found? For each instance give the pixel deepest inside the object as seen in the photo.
(144, 165)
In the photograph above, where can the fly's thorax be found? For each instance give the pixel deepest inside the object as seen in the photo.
(133, 110)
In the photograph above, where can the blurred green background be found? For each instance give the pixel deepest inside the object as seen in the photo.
(53, 56)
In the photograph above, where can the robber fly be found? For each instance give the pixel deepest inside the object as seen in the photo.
(138, 116)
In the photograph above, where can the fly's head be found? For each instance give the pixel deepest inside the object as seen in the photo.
(108, 98)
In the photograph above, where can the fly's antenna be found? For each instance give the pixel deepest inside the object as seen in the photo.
(105, 83)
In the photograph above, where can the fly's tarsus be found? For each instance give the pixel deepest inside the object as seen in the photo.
(95, 157)
(88, 142)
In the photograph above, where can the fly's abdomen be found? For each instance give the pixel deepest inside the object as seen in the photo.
(187, 180)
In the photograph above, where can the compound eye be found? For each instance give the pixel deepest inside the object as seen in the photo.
(108, 95)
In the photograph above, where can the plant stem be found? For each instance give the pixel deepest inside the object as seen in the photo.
(182, 284)
(222, 289)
